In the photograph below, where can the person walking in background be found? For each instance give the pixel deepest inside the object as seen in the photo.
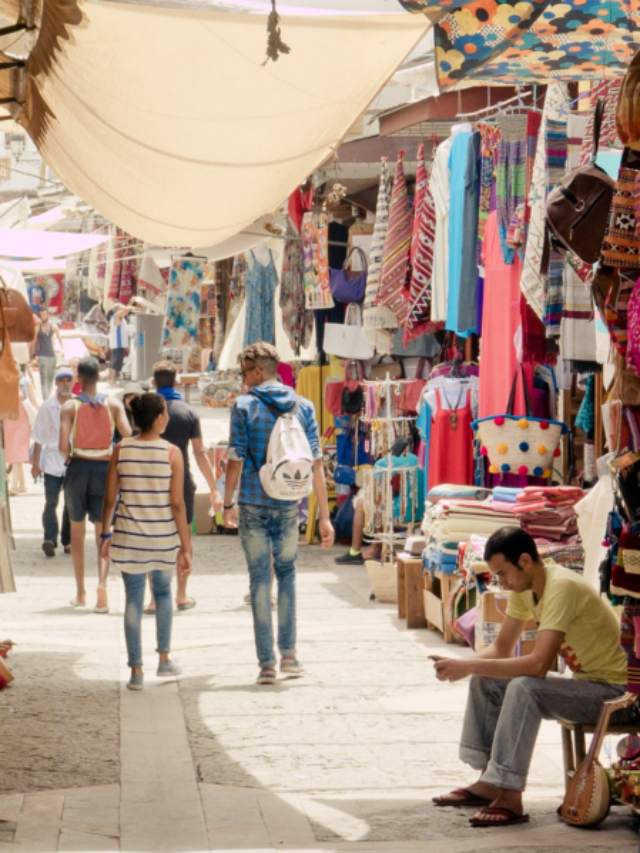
(48, 460)
(118, 339)
(269, 526)
(44, 343)
(87, 423)
(183, 428)
(150, 531)
(17, 434)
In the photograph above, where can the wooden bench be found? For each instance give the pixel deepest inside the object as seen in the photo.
(411, 591)
(574, 748)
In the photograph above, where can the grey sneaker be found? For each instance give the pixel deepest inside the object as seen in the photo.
(292, 668)
(49, 548)
(136, 681)
(166, 670)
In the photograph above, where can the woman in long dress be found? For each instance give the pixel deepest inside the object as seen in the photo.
(17, 435)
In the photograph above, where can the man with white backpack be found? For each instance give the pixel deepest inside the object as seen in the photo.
(275, 453)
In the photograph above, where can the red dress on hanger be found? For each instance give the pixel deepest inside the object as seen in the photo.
(451, 445)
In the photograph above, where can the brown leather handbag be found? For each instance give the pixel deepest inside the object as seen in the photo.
(577, 209)
(9, 379)
(16, 315)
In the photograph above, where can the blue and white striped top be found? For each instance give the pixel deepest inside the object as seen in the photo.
(145, 536)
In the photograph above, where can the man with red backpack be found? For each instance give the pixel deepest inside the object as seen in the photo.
(86, 441)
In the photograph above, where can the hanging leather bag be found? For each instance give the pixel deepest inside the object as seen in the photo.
(347, 340)
(577, 209)
(9, 378)
(16, 316)
(333, 391)
(349, 285)
(379, 371)
(352, 394)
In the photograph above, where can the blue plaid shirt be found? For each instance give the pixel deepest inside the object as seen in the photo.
(251, 426)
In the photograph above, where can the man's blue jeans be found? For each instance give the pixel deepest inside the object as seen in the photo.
(52, 488)
(134, 587)
(267, 533)
(503, 717)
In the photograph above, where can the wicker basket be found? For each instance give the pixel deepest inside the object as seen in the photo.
(384, 581)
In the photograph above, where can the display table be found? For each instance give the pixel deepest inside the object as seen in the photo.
(436, 594)
(187, 381)
(411, 591)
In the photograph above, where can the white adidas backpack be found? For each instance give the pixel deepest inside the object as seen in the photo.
(287, 474)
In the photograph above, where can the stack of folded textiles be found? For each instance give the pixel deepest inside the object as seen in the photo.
(549, 513)
(505, 498)
(454, 521)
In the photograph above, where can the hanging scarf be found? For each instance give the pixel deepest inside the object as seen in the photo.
(609, 91)
(532, 283)
(556, 141)
(534, 337)
(315, 253)
(397, 248)
(511, 176)
(422, 246)
(489, 142)
(296, 320)
(169, 393)
(379, 237)
(578, 338)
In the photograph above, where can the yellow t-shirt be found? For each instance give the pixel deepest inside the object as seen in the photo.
(591, 646)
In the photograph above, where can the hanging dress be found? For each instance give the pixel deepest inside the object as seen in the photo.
(451, 445)
(260, 282)
(500, 322)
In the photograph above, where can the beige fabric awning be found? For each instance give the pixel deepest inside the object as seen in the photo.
(166, 122)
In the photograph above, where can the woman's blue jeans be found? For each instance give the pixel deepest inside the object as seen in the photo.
(134, 587)
(267, 533)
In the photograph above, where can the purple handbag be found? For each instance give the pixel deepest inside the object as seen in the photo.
(348, 286)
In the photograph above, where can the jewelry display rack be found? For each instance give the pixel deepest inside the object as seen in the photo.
(387, 420)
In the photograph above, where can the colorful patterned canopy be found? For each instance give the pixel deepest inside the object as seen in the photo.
(498, 42)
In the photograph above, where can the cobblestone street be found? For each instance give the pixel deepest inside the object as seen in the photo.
(346, 758)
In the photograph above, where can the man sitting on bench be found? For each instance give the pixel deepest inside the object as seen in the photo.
(509, 697)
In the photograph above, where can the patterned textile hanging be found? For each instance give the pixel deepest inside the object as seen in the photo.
(422, 244)
(206, 323)
(397, 248)
(236, 288)
(532, 281)
(578, 337)
(511, 176)
(556, 141)
(375, 317)
(315, 253)
(297, 321)
(489, 142)
(183, 307)
(609, 91)
(219, 327)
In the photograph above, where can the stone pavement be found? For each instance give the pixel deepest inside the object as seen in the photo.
(345, 759)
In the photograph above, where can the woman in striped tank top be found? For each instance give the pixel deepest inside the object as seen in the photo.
(150, 532)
